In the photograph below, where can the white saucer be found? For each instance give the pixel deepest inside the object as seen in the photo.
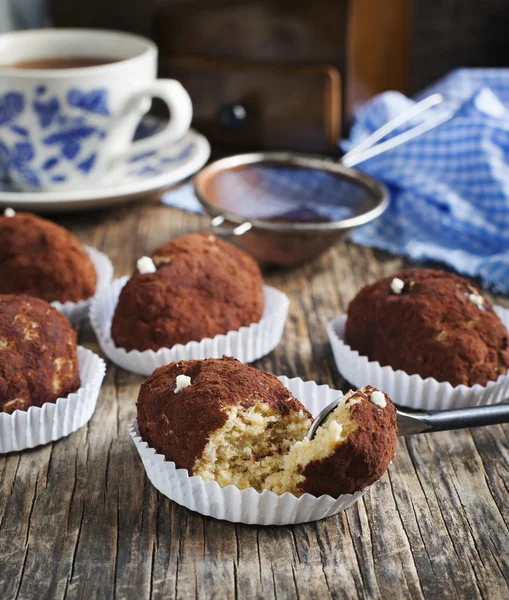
(135, 177)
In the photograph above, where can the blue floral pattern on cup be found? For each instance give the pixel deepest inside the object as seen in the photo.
(65, 125)
(139, 166)
(95, 101)
(155, 162)
(12, 105)
(46, 111)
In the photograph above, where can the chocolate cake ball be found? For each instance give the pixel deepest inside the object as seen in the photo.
(38, 361)
(42, 259)
(197, 287)
(350, 451)
(432, 323)
(233, 424)
(220, 419)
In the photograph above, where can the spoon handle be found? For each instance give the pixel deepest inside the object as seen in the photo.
(445, 420)
(401, 119)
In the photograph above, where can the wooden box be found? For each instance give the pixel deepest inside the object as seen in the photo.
(294, 70)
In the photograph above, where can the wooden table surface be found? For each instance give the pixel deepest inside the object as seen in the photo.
(79, 519)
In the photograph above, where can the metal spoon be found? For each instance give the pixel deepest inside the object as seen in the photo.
(410, 423)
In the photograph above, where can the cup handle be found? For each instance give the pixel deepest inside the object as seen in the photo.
(179, 104)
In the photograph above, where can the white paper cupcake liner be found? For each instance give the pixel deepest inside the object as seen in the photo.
(248, 505)
(412, 390)
(76, 311)
(247, 344)
(55, 420)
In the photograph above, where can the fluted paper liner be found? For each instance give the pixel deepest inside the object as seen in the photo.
(247, 344)
(55, 420)
(76, 311)
(412, 390)
(248, 505)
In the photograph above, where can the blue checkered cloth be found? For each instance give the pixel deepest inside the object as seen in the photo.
(449, 187)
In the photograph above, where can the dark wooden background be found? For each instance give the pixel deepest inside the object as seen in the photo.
(444, 34)
(447, 34)
(79, 519)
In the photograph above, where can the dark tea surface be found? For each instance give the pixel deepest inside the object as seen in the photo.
(60, 62)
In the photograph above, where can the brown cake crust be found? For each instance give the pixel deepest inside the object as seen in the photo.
(431, 328)
(363, 458)
(44, 260)
(178, 425)
(38, 360)
(202, 287)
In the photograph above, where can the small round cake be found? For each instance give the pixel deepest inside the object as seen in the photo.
(220, 419)
(431, 323)
(44, 260)
(233, 424)
(38, 361)
(194, 287)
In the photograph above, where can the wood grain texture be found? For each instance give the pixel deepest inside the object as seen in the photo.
(79, 519)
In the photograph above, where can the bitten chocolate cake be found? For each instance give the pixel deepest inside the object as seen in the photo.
(350, 451)
(38, 361)
(234, 424)
(197, 287)
(220, 419)
(42, 259)
(432, 323)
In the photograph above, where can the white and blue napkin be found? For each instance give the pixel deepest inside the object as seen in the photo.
(449, 187)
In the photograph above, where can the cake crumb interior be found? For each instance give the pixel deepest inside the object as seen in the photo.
(249, 446)
(260, 448)
(333, 432)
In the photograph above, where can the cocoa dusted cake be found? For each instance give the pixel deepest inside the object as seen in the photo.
(350, 451)
(195, 286)
(42, 259)
(38, 361)
(432, 323)
(233, 424)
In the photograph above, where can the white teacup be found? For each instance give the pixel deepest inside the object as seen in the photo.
(63, 126)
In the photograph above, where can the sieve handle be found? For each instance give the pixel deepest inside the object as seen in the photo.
(220, 226)
(369, 147)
